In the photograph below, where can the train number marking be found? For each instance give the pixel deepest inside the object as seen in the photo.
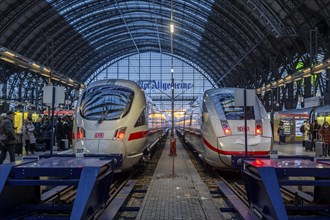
(99, 135)
(241, 129)
(80, 151)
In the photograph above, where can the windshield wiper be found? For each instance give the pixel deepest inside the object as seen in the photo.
(104, 114)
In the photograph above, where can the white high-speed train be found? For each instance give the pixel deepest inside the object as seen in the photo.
(115, 117)
(214, 126)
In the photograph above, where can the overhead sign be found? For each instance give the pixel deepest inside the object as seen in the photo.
(312, 102)
(160, 85)
(48, 95)
(250, 97)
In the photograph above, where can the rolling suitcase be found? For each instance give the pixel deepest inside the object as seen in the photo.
(308, 145)
(40, 147)
(65, 144)
(320, 149)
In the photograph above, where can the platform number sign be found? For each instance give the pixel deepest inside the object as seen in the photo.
(79, 152)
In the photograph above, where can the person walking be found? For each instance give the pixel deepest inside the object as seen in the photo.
(28, 136)
(9, 138)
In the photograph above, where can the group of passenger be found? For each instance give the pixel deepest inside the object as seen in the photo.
(33, 133)
(316, 132)
(63, 131)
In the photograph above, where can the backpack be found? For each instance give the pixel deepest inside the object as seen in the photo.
(302, 128)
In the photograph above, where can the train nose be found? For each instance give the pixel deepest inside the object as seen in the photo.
(237, 143)
(251, 141)
(102, 147)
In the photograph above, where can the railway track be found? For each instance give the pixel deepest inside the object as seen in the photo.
(233, 180)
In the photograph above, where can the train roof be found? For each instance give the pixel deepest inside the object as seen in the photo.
(119, 82)
(319, 110)
(296, 111)
(222, 90)
(323, 109)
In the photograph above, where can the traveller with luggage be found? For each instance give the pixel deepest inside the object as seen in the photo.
(325, 136)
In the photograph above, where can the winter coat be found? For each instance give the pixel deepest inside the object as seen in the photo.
(27, 131)
(306, 132)
(325, 134)
(315, 128)
(59, 131)
(9, 130)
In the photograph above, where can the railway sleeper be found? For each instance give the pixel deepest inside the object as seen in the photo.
(237, 204)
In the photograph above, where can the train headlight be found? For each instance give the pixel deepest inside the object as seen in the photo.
(120, 133)
(226, 129)
(258, 129)
(80, 133)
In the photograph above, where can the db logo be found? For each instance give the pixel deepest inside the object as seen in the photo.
(99, 135)
(241, 129)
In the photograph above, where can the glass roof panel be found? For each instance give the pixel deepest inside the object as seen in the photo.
(153, 72)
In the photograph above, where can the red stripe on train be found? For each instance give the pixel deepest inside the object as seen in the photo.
(255, 153)
(137, 135)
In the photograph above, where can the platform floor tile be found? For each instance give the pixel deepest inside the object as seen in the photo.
(180, 194)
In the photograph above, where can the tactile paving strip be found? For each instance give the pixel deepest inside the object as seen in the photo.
(179, 196)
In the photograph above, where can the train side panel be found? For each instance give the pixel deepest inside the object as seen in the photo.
(219, 133)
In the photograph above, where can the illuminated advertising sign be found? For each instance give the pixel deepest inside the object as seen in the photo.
(160, 85)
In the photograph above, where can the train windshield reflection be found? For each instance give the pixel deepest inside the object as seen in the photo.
(106, 102)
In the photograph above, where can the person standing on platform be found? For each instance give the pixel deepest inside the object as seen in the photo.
(28, 136)
(306, 131)
(2, 117)
(45, 131)
(315, 128)
(325, 134)
(280, 132)
(59, 132)
(70, 127)
(9, 139)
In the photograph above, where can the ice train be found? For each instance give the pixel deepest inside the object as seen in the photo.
(115, 117)
(214, 126)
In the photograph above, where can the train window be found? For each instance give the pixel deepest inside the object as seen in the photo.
(142, 119)
(204, 110)
(229, 109)
(106, 102)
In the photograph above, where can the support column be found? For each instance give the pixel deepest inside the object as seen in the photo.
(307, 87)
(290, 102)
(4, 105)
(276, 99)
(265, 101)
(327, 89)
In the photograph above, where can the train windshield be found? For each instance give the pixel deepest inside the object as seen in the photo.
(106, 102)
(225, 105)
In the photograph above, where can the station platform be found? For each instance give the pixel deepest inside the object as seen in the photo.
(292, 150)
(180, 194)
(283, 149)
(37, 153)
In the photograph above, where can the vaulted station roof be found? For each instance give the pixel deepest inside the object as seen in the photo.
(234, 41)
